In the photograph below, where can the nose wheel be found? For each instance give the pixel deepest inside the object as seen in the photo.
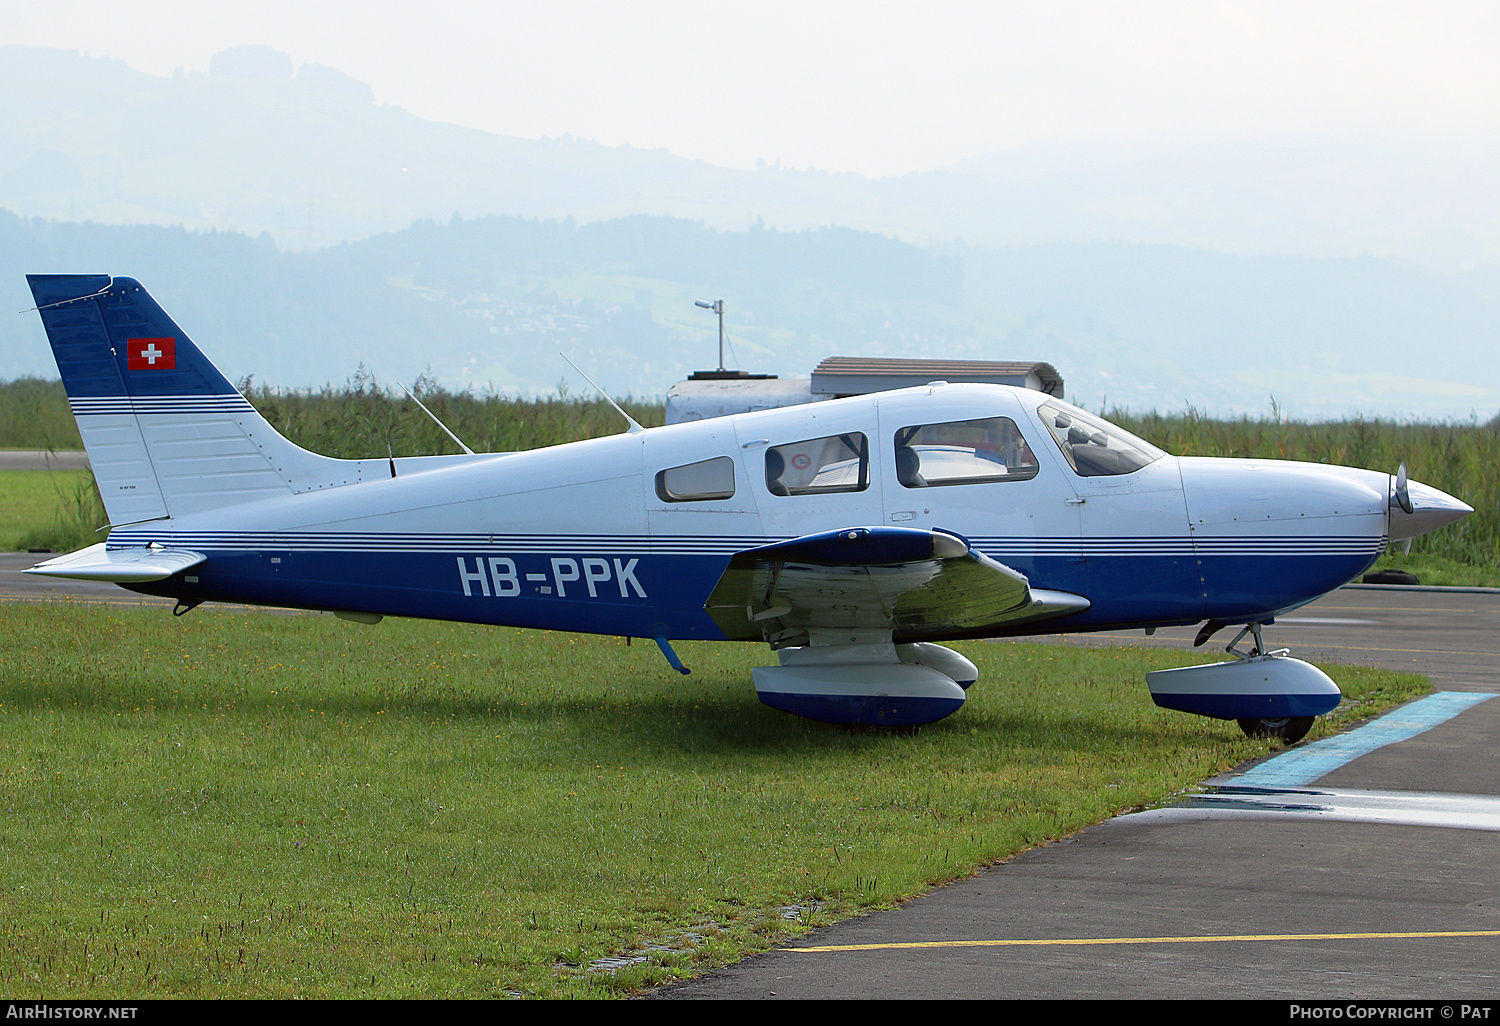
(1287, 729)
(1266, 692)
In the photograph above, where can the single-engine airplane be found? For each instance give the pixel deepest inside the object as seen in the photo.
(851, 535)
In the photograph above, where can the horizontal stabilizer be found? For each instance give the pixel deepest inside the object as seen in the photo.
(120, 566)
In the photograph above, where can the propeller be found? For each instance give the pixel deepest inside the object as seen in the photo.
(1402, 498)
(1403, 491)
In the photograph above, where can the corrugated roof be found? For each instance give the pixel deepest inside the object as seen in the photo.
(872, 367)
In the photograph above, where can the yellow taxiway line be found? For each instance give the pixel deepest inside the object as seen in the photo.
(1080, 941)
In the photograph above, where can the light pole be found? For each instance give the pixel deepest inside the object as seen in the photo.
(717, 306)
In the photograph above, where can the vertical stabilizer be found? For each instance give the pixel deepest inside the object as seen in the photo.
(166, 432)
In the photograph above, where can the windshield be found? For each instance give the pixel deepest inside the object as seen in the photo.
(1094, 446)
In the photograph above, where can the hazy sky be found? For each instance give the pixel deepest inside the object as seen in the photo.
(874, 87)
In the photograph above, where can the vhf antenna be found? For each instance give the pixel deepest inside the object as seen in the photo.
(634, 427)
(435, 420)
(717, 306)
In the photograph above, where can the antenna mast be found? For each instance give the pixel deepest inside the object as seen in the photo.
(717, 306)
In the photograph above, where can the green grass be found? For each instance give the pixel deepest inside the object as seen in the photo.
(34, 414)
(1441, 572)
(49, 509)
(361, 419)
(255, 805)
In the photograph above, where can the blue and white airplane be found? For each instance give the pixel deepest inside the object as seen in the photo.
(851, 535)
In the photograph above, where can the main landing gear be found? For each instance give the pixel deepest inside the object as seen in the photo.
(880, 684)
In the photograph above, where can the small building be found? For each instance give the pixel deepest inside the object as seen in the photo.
(709, 394)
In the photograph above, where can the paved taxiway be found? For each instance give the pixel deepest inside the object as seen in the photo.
(16, 586)
(1359, 885)
(40, 459)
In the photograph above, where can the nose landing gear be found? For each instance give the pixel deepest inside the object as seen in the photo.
(1269, 694)
(1287, 729)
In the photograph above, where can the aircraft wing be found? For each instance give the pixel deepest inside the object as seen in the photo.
(917, 584)
(121, 566)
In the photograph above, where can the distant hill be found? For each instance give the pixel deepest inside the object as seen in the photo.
(488, 302)
(311, 158)
(307, 155)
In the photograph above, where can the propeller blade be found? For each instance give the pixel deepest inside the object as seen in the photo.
(1403, 491)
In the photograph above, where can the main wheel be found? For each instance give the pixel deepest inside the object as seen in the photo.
(1289, 729)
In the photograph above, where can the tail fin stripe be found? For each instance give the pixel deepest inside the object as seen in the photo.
(161, 404)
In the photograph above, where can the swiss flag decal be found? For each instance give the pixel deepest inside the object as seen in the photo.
(152, 353)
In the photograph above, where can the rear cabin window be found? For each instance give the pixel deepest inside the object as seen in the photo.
(963, 452)
(696, 482)
(837, 463)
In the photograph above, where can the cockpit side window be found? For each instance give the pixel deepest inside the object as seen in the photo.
(963, 452)
(837, 463)
(695, 482)
(1093, 446)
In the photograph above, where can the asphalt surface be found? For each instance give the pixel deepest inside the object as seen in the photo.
(16, 586)
(1351, 887)
(33, 459)
(1449, 635)
(1314, 893)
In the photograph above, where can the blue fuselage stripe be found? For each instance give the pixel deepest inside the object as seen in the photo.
(630, 586)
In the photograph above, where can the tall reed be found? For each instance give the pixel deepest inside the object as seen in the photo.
(363, 418)
(34, 414)
(1461, 459)
(76, 521)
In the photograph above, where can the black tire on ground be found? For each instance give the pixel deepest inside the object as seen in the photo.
(1390, 577)
(1289, 729)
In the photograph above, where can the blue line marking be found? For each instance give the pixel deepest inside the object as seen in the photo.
(1301, 766)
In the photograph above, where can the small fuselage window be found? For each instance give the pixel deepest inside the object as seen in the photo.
(963, 452)
(696, 482)
(1094, 446)
(838, 463)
